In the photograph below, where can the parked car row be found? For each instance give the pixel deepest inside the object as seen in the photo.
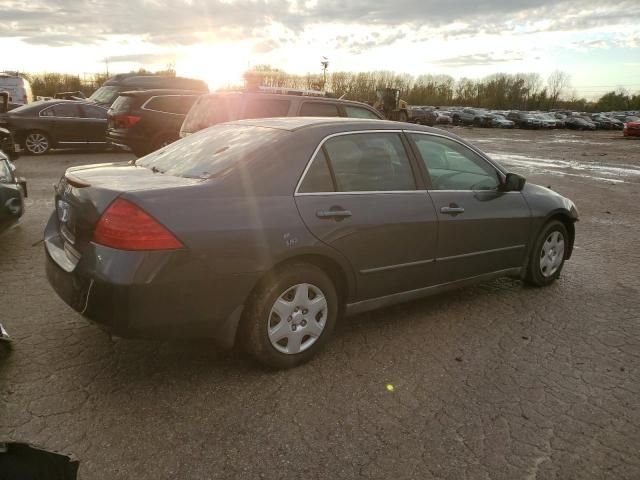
(478, 117)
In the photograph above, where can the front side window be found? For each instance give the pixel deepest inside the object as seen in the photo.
(6, 176)
(319, 109)
(453, 166)
(361, 162)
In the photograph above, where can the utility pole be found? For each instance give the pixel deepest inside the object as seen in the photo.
(106, 62)
(325, 64)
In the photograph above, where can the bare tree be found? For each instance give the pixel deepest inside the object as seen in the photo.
(558, 82)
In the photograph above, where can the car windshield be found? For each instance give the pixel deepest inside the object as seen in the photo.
(27, 106)
(210, 152)
(104, 94)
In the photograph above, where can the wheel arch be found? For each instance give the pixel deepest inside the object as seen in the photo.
(345, 284)
(569, 221)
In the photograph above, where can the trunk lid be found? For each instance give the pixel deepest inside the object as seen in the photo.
(84, 193)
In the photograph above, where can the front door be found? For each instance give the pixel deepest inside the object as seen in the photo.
(94, 124)
(481, 229)
(359, 195)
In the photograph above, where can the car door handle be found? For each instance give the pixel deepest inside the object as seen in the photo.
(452, 210)
(333, 214)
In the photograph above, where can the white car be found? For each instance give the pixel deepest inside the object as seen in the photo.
(18, 88)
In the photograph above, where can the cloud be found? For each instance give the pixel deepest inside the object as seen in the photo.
(185, 22)
(477, 59)
(146, 58)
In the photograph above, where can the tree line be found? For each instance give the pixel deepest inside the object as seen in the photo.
(502, 91)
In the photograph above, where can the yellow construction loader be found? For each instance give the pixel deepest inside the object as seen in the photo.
(391, 106)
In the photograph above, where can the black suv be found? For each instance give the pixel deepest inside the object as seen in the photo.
(144, 121)
(222, 107)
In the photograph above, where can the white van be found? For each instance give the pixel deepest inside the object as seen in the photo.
(19, 88)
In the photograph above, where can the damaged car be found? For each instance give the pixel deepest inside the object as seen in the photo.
(265, 232)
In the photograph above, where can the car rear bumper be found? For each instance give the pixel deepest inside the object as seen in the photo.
(160, 294)
(126, 141)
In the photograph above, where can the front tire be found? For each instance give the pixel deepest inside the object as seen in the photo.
(548, 254)
(290, 317)
(37, 143)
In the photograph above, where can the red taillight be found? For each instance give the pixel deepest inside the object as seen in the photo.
(125, 121)
(126, 226)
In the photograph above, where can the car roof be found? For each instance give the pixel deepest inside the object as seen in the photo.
(342, 123)
(161, 91)
(306, 98)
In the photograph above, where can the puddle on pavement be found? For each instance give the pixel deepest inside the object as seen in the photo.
(616, 173)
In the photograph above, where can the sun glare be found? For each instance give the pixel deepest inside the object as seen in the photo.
(220, 66)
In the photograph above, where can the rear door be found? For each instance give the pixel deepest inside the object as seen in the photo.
(94, 123)
(359, 195)
(481, 229)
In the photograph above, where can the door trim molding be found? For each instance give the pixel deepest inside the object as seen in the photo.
(387, 300)
(480, 252)
(396, 266)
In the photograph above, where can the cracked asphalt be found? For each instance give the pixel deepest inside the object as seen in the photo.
(498, 381)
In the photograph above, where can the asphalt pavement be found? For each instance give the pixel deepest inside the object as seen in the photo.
(497, 381)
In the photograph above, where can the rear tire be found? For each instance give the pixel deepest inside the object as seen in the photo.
(291, 316)
(37, 142)
(548, 254)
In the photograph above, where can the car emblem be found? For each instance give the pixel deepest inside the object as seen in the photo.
(64, 211)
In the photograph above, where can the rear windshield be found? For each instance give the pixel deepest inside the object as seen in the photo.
(104, 94)
(123, 104)
(206, 112)
(210, 152)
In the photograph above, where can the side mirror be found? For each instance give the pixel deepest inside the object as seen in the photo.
(513, 183)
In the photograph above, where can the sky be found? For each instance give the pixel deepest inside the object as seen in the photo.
(597, 43)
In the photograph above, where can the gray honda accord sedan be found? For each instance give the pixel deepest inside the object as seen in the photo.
(266, 232)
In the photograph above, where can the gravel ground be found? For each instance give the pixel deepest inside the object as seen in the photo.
(498, 381)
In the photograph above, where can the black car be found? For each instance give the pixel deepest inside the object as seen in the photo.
(524, 120)
(126, 82)
(40, 126)
(144, 121)
(575, 122)
(222, 107)
(8, 145)
(264, 232)
(13, 191)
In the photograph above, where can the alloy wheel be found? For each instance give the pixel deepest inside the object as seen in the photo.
(297, 318)
(36, 143)
(552, 254)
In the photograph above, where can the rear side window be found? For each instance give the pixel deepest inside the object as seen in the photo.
(319, 109)
(211, 152)
(318, 176)
(359, 112)
(266, 108)
(176, 104)
(68, 110)
(362, 162)
(206, 112)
